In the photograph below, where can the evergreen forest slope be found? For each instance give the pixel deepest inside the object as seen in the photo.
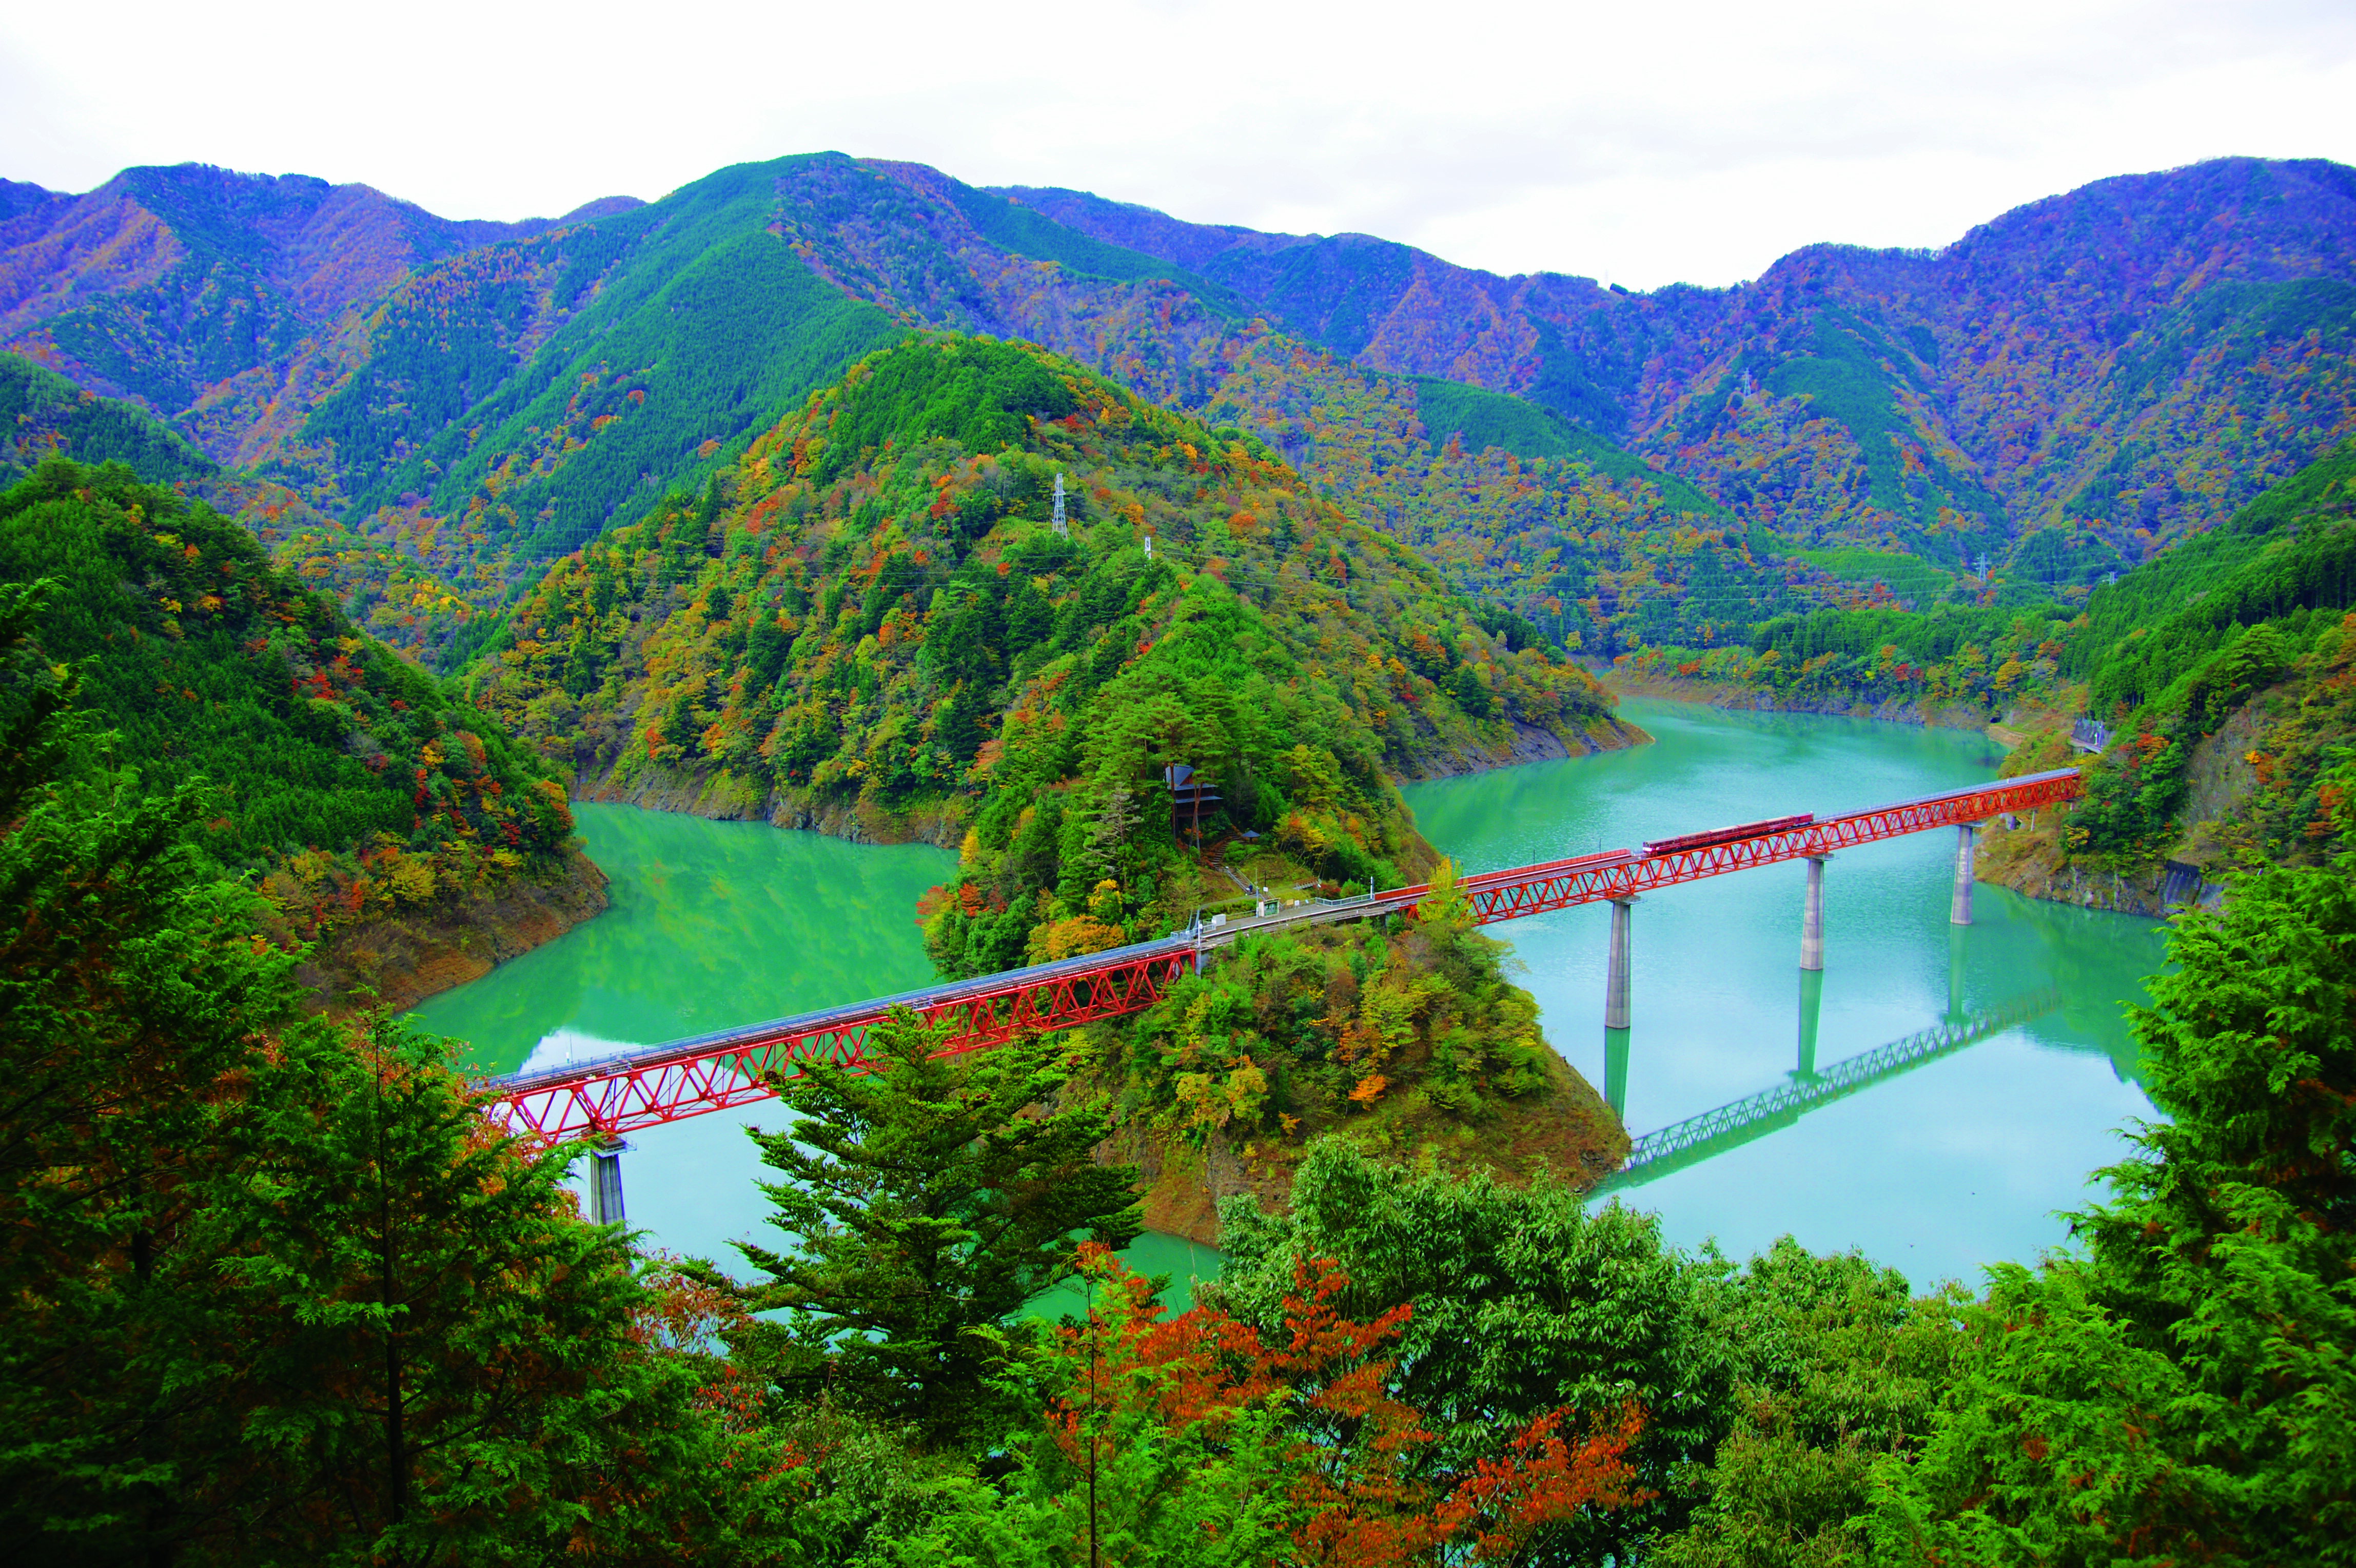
(348, 780)
(44, 415)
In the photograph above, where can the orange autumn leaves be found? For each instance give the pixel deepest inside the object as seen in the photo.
(1305, 1425)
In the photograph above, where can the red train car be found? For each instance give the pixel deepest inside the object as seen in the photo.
(1728, 835)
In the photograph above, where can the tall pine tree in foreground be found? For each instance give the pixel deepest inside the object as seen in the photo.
(271, 1289)
(2185, 1390)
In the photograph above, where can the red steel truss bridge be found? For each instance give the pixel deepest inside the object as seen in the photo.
(605, 1098)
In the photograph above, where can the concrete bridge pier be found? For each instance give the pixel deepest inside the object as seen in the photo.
(1812, 922)
(1615, 1070)
(606, 1184)
(1615, 981)
(1959, 913)
(1812, 1006)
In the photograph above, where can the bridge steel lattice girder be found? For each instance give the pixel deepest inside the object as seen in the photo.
(610, 1097)
(1563, 884)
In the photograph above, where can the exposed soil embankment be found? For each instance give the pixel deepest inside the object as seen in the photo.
(1526, 743)
(722, 796)
(400, 959)
(1744, 699)
(1569, 1129)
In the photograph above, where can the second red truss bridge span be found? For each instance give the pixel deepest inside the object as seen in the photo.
(605, 1098)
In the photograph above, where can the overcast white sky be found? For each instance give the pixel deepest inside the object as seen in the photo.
(1640, 143)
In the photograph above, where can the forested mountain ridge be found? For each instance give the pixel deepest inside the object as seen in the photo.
(1518, 504)
(687, 323)
(2125, 362)
(870, 622)
(228, 303)
(497, 407)
(419, 414)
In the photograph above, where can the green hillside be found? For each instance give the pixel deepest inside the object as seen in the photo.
(2290, 551)
(688, 327)
(868, 621)
(42, 414)
(1541, 518)
(1481, 418)
(348, 775)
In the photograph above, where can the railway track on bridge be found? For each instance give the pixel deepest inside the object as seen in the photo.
(615, 1095)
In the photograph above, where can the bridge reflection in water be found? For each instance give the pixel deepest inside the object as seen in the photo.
(1686, 1143)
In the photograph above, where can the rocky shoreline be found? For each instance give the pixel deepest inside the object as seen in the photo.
(722, 796)
(1529, 742)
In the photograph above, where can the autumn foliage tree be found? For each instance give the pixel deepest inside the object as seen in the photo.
(1199, 1438)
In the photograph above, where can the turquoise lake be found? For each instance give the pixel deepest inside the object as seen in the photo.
(1938, 1170)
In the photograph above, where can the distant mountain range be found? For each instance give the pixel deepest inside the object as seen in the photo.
(419, 411)
(2138, 357)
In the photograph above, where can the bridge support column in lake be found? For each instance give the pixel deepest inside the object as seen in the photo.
(1615, 980)
(1615, 1070)
(1954, 976)
(1812, 1006)
(1959, 913)
(1811, 919)
(606, 1184)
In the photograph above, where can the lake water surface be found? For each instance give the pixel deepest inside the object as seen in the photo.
(712, 924)
(1938, 1170)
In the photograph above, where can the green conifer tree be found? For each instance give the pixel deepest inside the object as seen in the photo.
(273, 1290)
(2183, 1390)
(926, 1199)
